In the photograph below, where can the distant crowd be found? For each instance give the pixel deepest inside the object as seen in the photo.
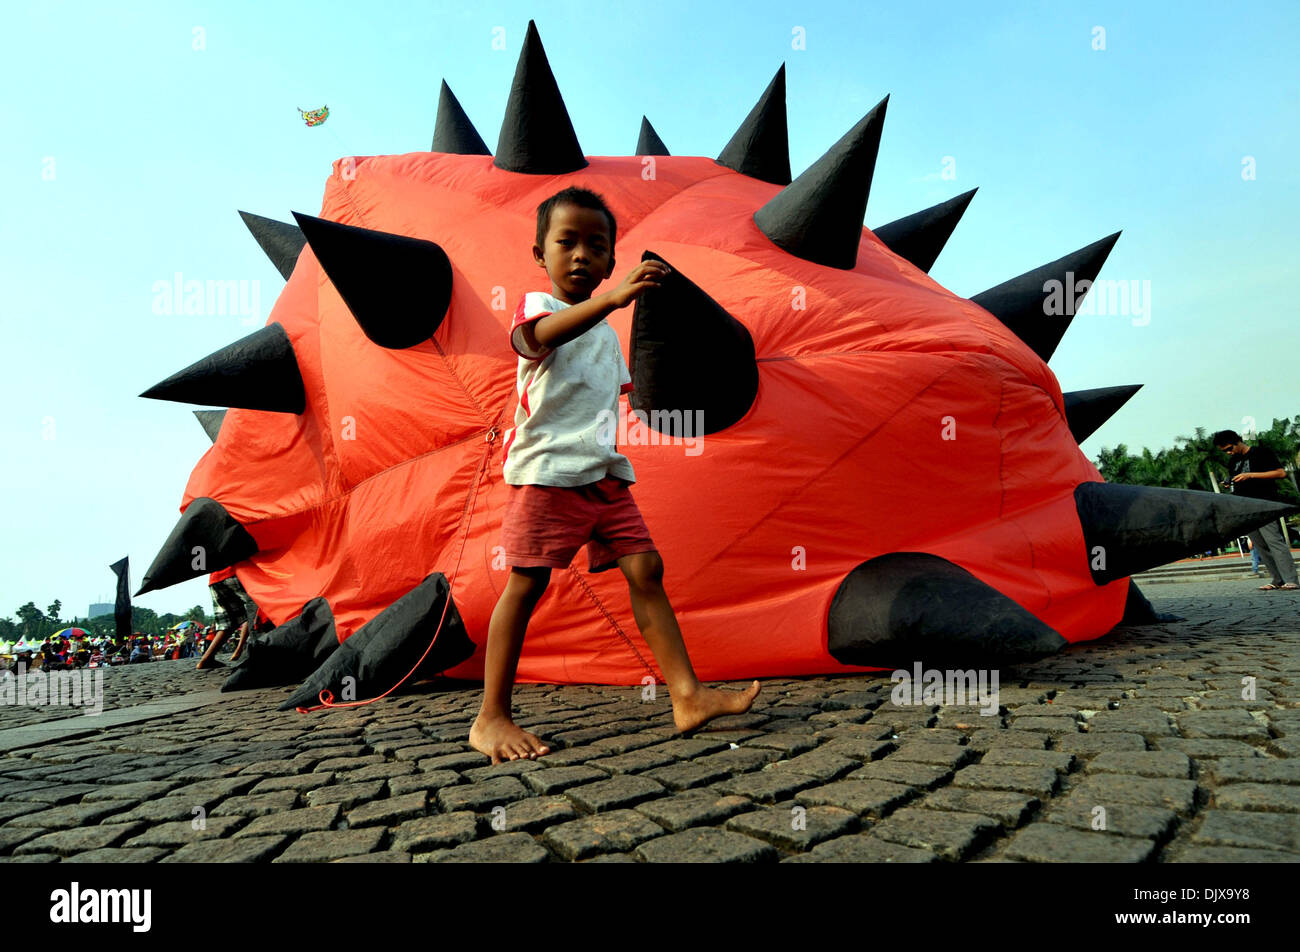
(63, 654)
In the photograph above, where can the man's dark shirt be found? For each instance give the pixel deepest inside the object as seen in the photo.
(1257, 459)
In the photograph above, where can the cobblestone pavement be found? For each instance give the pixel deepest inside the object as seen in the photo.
(1136, 748)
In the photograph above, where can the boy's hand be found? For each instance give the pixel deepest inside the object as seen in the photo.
(647, 274)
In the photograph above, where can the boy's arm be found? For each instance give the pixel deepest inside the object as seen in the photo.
(560, 327)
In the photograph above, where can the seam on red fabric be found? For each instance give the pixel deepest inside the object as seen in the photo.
(613, 623)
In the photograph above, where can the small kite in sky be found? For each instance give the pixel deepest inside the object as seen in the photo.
(314, 117)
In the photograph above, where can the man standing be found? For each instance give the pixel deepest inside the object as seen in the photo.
(1255, 471)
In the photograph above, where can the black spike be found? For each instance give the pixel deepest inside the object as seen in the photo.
(281, 241)
(920, 237)
(257, 372)
(452, 131)
(692, 362)
(206, 535)
(1037, 305)
(397, 288)
(288, 653)
(536, 135)
(760, 148)
(1129, 529)
(376, 656)
(648, 142)
(818, 216)
(211, 421)
(905, 607)
(1086, 410)
(1139, 611)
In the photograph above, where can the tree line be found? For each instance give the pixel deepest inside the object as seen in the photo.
(36, 625)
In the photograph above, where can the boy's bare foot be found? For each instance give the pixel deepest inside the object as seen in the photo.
(208, 664)
(707, 703)
(502, 739)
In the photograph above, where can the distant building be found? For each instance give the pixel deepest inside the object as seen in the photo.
(100, 608)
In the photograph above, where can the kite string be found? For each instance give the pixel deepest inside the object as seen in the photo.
(326, 696)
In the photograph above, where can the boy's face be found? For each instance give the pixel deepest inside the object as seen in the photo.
(577, 256)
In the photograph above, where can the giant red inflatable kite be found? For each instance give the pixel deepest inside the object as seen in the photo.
(844, 464)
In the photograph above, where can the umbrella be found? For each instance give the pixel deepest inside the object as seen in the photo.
(183, 626)
(71, 633)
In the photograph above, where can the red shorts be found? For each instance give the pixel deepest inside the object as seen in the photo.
(547, 525)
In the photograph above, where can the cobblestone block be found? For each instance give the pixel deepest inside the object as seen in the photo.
(432, 781)
(1272, 831)
(1232, 854)
(632, 762)
(1008, 808)
(1267, 797)
(1087, 744)
(55, 796)
(925, 776)
(943, 755)
(873, 798)
(502, 848)
(146, 854)
(511, 768)
(481, 796)
(1107, 789)
(250, 805)
(706, 846)
(613, 832)
(784, 743)
(68, 817)
(293, 822)
(765, 786)
(822, 765)
(183, 833)
(558, 779)
(684, 776)
(249, 849)
(164, 810)
(1205, 749)
(1024, 757)
(622, 791)
(1148, 763)
(346, 795)
(988, 739)
(1057, 843)
(1254, 770)
(1127, 819)
(795, 827)
(1146, 722)
(303, 783)
(389, 812)
(435, 832)
(532, 815)
(949, 834)
(687, 810)
(1220, 725)
(1047, 725)
(324, 847)
(1036, 781)
(862, 848)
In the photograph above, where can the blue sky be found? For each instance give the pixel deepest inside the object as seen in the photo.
(134, 135)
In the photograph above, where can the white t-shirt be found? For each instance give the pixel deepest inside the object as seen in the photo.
(565, 424)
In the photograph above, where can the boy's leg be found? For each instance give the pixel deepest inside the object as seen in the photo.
(494, 732)
(693, 703)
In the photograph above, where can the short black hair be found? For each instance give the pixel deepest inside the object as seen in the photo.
(583, 198)
(1226, 437)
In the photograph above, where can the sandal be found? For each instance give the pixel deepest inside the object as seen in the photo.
(1290, 587)
(1270, 587)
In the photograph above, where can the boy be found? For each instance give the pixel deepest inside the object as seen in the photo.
(568, 487)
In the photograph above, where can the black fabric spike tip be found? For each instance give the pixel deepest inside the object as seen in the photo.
(1039, 305)
(818, 216)
(760, 148)
(537, 136)
(257, 372)
(398, 288)
(920, 237)
(693, 367)
(1129, 529)
(905, 607)
(281, 241)
(452, 131)
(205, 539)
